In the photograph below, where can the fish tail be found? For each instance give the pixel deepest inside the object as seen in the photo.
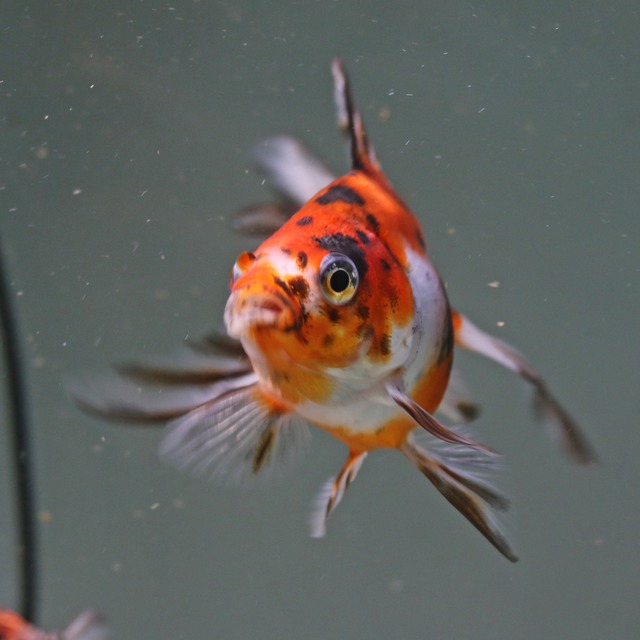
(457, 473)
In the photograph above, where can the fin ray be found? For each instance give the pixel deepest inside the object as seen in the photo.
(235, 438)
(459, 480)
(113, 397)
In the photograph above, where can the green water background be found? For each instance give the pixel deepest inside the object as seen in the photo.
(511, 129)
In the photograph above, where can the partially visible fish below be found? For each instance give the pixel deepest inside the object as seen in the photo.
(89, 625)
(340, 320)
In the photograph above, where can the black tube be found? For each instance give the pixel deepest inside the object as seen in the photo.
(19, 442)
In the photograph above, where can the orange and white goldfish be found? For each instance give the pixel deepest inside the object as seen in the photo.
(340, 320)
(89, 625)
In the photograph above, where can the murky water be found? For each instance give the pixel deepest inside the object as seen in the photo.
(512, 131)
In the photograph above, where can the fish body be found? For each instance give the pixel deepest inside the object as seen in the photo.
(327, 354)
(339, 319)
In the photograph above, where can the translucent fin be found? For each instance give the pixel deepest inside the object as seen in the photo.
(457, 403)
(120, 399)
(89, 625)
(234, 437)
(217, 343)
(427, 421)
(186, 366)
(468, 336)
(262, 220)
(460, 476)
(291, 168)
(332, 493)
(165, 387)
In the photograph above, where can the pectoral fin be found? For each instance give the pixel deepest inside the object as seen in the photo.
(236, 437)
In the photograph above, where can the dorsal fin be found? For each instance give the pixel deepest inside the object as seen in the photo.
(363, 157)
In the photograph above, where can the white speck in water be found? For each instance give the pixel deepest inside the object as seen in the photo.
(396, 585)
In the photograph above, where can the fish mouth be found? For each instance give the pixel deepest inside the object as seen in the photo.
(254, 307)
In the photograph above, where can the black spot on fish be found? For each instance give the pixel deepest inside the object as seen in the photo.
(364, 238)
(328, 340)
(362, 311)
(333, 314)
(304, 221)
(301, 260)
(299, 286)
(420, 239)
(385, 344)
(285, 250)
(283, 285)
(348, 245)
(340, 193)
(372, 223)
(385, 265)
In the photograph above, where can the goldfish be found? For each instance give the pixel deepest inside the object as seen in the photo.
(89, 625)
(340, 320)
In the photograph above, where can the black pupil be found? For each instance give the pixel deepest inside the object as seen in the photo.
(339, 280)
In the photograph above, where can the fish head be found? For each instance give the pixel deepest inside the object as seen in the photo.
(324, 297)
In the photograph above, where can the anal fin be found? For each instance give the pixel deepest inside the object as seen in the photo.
(332, 493)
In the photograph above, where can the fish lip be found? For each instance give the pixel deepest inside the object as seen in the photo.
(263, 309)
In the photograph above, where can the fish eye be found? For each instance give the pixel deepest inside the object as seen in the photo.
(338, 278)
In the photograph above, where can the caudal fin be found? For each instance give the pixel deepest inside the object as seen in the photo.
(458, 474)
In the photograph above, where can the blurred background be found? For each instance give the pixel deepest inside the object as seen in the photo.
(512, 130)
